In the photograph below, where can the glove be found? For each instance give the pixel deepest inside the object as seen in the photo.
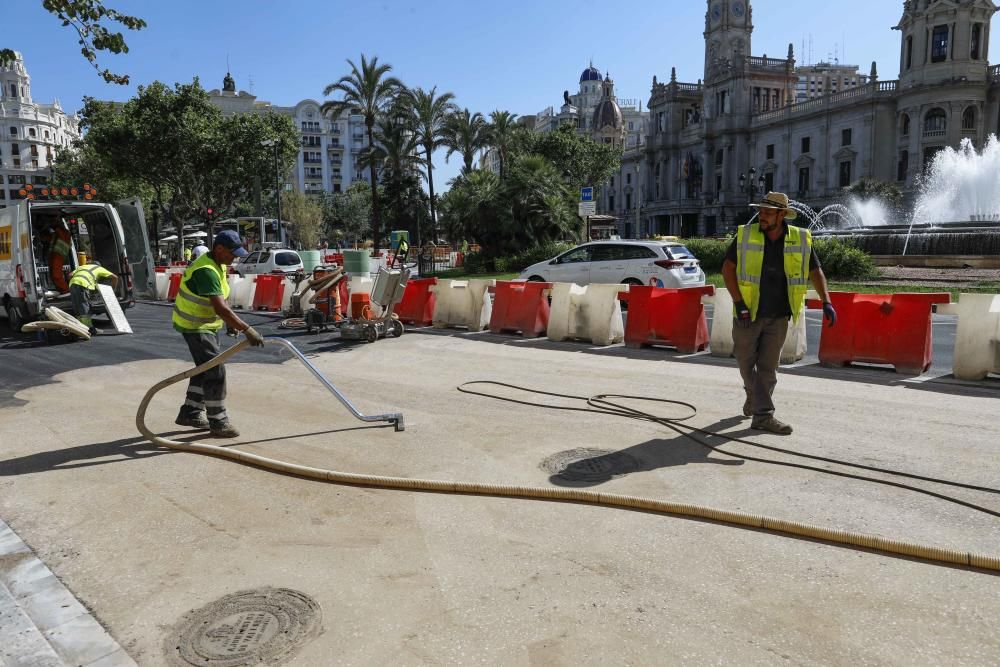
(742, 315)
(231, 332)
(255, 338)
(829, 313)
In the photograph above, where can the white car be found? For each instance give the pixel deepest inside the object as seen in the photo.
(269, 261)
(656, 263)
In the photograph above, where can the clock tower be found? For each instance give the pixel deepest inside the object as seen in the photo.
(727, 33)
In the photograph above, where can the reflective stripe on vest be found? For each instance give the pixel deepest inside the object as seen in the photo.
(193, 312)
(85, 276)
(750, 263)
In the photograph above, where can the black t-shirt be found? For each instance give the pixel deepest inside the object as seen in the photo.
(773, 283)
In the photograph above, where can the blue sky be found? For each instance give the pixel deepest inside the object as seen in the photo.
(511, 55)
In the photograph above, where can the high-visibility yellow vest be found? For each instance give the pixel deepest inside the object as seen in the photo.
(61, 244)
(750, 263)
(193, 312)
(88, 275)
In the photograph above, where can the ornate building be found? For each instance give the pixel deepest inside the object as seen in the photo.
(715, 144)
(31, 133)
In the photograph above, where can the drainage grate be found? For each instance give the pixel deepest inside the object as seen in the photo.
(585, 464)
(262, 626)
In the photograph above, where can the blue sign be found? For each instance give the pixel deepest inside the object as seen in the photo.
(587, 194)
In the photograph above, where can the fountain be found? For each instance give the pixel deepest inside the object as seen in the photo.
(955, 219)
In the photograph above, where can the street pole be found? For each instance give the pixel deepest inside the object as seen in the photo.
(277, 187)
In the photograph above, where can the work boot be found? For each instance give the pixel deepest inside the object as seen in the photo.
(769, 423)
(748, 406)
(196, 420)
(224, 429)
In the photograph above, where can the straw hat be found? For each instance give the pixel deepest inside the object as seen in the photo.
(778, 200)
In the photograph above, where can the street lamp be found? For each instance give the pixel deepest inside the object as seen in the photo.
(749, 186)
(277, 184)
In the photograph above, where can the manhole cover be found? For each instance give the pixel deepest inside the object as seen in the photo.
(585, 464)
(263, 626)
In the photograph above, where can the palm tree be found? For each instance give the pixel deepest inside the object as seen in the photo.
(395, 156)
(428, 112)
(501, 131)
(465, 133)
(370, 90)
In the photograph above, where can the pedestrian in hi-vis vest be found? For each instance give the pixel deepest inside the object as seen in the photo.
(200, 310)
(82, 284)
(767, 271)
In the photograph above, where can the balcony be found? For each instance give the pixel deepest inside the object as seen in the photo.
(929, 134)
(312, 161)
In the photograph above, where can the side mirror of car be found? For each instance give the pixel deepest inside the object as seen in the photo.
(555, 261)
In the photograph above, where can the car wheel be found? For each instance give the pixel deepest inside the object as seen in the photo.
(631, 282)
(536, 279)
(371, 335)
(397, 328)
(16, 316)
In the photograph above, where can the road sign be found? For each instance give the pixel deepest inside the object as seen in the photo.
(587, 208)
(587, 194)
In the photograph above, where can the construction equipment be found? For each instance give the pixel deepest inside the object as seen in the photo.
(387, 292)
(323, 289)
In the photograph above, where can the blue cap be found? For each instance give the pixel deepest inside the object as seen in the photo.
(230, 240)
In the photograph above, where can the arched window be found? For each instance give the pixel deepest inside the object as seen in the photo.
(969, 119)
(935, 122)
(718, 157)
(904, 125)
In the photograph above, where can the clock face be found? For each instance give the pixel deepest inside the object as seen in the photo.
(738, 8)
(716, 12)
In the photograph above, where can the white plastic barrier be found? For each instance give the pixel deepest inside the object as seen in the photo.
(286, 294)
(241, 292)
(721, 340)
(462, 303)
(591, 312)
(977, 340)
(162, 286)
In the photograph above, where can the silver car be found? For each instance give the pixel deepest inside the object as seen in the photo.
(655, 263)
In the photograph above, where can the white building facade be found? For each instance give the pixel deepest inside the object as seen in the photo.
(30, 133)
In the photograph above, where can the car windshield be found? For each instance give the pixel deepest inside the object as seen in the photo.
(286, 259)
(679, 252)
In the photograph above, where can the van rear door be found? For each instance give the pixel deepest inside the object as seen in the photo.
(140, 257)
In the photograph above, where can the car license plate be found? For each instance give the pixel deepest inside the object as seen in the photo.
(690, 269)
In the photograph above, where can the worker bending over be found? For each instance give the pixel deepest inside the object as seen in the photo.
(200, 310)
(82, 284)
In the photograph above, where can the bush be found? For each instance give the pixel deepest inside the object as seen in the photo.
(475, 262)
(525, 258)
(842, 261)
(710, 252)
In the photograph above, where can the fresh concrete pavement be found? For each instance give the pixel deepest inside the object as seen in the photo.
(142, 535)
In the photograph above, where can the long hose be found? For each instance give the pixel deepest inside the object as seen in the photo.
(620, 501)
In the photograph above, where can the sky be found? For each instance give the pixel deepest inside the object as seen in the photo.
(513, 55)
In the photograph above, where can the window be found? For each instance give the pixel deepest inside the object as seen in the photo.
(251, 258)
(46, 135)
(909, 51)
(13, 90)
(607, 253)
(769, 152)
(34, 150)
(31, 132)
(935, 122)
(939, 44)
(15, 150)
(719, 155)
(13, 131)
(904, 125)
(845, 174)
(977, 30)
(803, 181)
(16, 179)
(845, 137)
(611, 203)
(805, 144)
(577, 255)
(628, 179)
(612, 181)
(969, 119)
(769, 182)
(628, 201)
(286, 259)
(903, 166)
(638, 252)
(336, 187)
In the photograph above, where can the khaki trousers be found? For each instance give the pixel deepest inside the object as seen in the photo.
(758, 351)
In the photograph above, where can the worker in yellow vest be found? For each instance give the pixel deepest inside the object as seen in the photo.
(187, 253)
(767, 270)
(200, 311)
(60, 253)
(82, 284)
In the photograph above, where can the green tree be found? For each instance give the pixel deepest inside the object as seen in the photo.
(87, 17)
(542, 206)
(306, 216)
(350, 211)
(581, 160)
(464, 133)
(370, 90)
(429, 111)
(872, 188)
(500, 135)
(394, 155)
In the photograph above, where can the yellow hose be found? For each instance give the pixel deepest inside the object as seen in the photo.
(841, 537)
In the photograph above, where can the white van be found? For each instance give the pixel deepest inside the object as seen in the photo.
(113, 234)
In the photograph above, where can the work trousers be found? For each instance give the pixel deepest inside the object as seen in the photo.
(206, 391)
(80, 296)
(758, 351)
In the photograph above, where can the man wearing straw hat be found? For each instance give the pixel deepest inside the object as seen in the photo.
(768, 268)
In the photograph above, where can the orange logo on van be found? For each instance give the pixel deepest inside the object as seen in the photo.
(6, 238)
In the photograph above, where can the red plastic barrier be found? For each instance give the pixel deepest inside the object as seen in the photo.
(664, 316)
(520, 306)
(417, 306)
(175, 284)
(270, 290)
(160, 269)
(890, 329)
(334, 258)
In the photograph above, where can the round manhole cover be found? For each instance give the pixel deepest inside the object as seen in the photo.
(262, 626)
(585, 464)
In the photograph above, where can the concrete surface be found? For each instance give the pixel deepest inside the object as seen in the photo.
(142, 535)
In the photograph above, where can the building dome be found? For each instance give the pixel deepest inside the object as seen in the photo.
(590, 74)
(607, 114)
